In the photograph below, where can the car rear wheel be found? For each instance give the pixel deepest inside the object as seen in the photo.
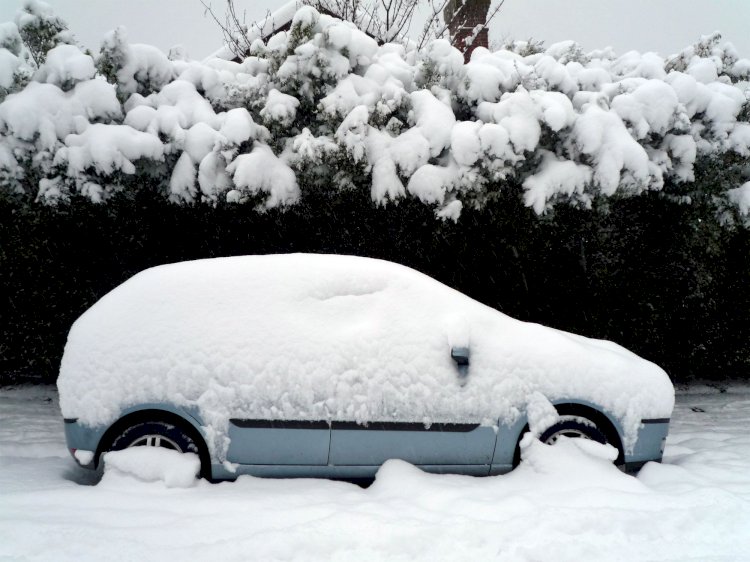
(155, 428)
(155, 434)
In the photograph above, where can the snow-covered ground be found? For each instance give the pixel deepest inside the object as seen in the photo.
(561, 504)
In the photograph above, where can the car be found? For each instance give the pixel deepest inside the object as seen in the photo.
(305, 365)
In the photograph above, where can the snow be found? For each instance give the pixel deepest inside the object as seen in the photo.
(542, 415)
(386, 185)
(309, 148)
(434, 119)
(741, 197)
(209, 140)
(496, 142)
(519, 114)
(212, 176)
(351, 92)
(429, 183)
(410, 151)
(465, 144)
(151, 464)
(108, 148)
(35, 14)
(182, 182)
(149, 65)
(238, 126)
(451, 211)
(280, 107)
(265, 28)
(241, 337)
(486, 80)
(305, 16)
(84, 457)
(177, 104)
(141, 67)
(65, 66)
(46, 113)
(683, 151)
(601, 135)
(352, 132)
(649, 109)
(262, 171)
(10, 39)
(200, 139)
(9, 63)
(7, 160)
(556, 177)
(564, 499)
(49, 190)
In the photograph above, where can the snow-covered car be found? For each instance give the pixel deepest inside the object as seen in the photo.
(327, 366)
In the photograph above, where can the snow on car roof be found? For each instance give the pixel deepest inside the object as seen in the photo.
(329, 337)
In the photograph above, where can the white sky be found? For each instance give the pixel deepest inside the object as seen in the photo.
(665, 26)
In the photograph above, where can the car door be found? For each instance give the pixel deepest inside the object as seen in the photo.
(449, 447)
(278, 442)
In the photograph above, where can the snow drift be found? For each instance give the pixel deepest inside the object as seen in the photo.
(152, 464)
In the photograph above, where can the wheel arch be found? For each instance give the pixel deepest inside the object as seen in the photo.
(599, 417)
(153, 413)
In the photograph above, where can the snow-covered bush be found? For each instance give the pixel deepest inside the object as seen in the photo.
(15, 72)
(324, 105)
(136, 68)
(41, 30)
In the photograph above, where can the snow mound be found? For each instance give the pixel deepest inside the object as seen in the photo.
(65, 66)
(330, 337)
(569, 465)
(152, 464)
(84, 457)
(537, 454)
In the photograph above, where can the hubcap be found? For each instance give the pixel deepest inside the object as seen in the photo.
(567, 433)
(155, 441)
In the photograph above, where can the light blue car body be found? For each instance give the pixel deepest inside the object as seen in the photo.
(349, 450)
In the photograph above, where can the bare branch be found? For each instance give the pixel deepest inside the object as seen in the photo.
(433, 28)
(386, 20)
(233, 32)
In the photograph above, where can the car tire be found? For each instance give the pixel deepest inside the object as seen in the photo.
(575, 427)
(155, 434)
(573, 422)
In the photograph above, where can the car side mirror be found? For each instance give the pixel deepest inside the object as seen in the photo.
(461, 356)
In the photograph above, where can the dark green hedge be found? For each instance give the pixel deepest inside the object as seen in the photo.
(647, 273)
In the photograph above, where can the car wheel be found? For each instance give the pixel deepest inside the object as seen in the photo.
(573, 426)
(155, 434)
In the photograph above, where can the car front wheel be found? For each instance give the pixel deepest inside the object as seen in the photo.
(573, 426)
